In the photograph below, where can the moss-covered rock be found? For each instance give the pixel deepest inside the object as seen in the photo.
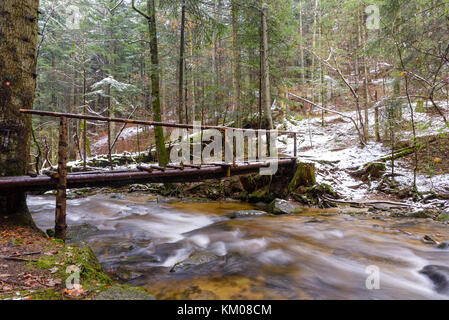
(261, 195)
(312, 196)
(444, 215)
(280, 206)
(79, 232)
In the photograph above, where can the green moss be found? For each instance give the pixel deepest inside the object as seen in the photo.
(92, 275)
(48, 294)
(261, 195)
(305, 176)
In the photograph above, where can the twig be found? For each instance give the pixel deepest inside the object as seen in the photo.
(16, 259)
(26, 254)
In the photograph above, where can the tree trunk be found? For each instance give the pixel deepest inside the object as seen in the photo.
(155, 85)
(192, 78)
(181, 64)
(366, 76)
(266, 70)
(301, 34)
(236, 64)
(18, 46)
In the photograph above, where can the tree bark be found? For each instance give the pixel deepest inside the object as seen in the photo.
(155, 84)
(236, 63)
(18, 46)
(301, 34)
(266, 70)
(150, 16)
(181, 64)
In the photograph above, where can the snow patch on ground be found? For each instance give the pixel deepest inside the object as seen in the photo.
(128, 133)
(336, 152)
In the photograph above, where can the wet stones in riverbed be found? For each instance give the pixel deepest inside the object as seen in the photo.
(77, 233)
(195, 260)
(439, 276)
(428, 240)
(440, 245)
(247, 214)
(279, 206)
(122, 293)
(444, 215)
(443, 245)
(125, 274)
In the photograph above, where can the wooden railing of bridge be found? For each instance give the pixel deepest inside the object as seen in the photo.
(182, 172)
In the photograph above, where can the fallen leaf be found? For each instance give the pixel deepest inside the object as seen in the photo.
(54, 270)
(76, 292)
(51, 253)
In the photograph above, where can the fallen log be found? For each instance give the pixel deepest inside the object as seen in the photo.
(367, 203)
(397, 155)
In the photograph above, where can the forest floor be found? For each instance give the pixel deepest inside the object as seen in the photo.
(337, 154)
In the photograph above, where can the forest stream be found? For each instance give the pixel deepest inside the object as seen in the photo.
(319, 254)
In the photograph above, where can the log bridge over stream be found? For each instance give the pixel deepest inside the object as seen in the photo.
(148, 173)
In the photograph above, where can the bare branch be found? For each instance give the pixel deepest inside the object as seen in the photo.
(138, 11)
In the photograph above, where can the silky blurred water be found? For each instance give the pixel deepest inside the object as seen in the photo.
(320, 254)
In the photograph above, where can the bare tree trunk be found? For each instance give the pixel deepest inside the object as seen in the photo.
(236, 64)
(366, 77)
(155, 85)
(315, 17)
(301, 34)
(266, 70)
(150, 16)
(192, 78)
(18, 46)
(181, 64)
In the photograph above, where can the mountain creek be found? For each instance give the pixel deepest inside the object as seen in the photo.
(233, 250)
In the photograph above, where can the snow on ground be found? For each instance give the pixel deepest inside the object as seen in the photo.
(336, 152)
(128, 133)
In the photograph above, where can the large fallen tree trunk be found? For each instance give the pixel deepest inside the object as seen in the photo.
(367, 203)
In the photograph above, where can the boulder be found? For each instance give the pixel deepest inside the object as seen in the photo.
(195, 260)
(443, 245)
(80, 232)
(125, 274)
(439, 276)
(246, 214)
(444, 215)
(279, 206)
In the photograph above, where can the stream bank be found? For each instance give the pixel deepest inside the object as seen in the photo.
(34, 267)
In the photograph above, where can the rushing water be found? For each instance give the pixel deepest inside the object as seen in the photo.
(316, 255)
